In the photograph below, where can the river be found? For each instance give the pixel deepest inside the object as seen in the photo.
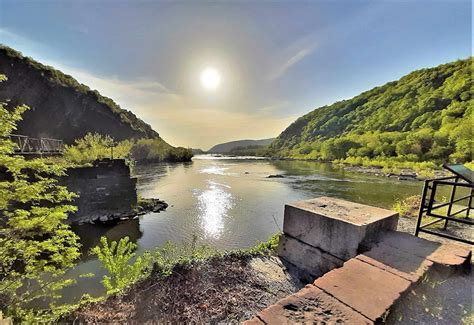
(228, 203)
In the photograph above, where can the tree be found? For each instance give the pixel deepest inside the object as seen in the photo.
(36, 247)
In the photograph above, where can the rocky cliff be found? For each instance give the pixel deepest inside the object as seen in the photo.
(61, 107)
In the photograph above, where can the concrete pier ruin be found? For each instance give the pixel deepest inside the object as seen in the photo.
(106, 191)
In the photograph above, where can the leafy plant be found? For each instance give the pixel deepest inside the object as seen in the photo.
(408, 207)
(117, 257)
(36, 247)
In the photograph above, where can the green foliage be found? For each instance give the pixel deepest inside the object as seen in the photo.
(267, 247)
(424, 116)
(169, 255)
(96, 146)
(408, 207)
(253, 150)
(157, 150)
(36, 247)
(391, 164)
(116, 258)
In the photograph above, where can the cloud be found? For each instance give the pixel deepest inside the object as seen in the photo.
(291, 60)
(181, 119)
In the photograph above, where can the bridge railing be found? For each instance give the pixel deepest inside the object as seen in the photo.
(36, 146)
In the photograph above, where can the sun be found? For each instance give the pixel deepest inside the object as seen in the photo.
(210, 78)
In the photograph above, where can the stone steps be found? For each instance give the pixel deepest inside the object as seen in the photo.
(364, 289)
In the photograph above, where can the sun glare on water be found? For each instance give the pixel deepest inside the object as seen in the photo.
(210, 78)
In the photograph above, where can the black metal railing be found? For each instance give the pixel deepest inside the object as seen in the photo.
(453, 209)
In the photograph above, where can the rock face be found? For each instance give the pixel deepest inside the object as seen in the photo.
(106, 191)
(61, 107)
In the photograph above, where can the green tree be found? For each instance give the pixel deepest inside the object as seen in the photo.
(36, 247)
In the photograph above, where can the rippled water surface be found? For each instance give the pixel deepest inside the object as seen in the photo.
(229, 203)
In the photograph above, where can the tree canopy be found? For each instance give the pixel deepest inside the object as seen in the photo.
(424, 116)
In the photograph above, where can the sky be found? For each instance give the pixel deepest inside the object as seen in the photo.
(276, 60)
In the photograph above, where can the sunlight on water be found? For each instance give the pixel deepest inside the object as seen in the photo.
(215, 170)
(214, 203)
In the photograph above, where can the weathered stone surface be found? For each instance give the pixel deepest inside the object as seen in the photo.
(403, 264)
(366, 288)
(308, 258)
(106, 191)
(448, 255)
(336, 226)
(313, 306)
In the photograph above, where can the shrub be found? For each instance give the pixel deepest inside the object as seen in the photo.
(116, 258)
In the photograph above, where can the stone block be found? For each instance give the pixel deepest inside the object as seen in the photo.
(310, 305)
(447, 255)
(403, 264)
(336, 226)
(364, 287)
(308, 258)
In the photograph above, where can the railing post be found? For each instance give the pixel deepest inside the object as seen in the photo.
(450, 207)
(422, 206)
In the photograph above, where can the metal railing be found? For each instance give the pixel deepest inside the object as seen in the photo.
(430, 207)
(26, 145)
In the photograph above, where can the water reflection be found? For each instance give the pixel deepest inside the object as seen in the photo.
(214, 203)
(215, 170)
(228, 204)
(90, 234)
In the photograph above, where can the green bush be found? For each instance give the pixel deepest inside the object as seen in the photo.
(116, 258)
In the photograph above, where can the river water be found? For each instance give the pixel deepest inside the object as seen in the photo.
(228, 203)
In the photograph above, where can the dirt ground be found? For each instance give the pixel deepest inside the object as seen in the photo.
(235, 288)
(408, 224)
(228, 290)
(439, 298)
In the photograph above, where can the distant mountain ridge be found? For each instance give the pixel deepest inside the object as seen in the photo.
(61, 107)
(227, 147)
(427, 115)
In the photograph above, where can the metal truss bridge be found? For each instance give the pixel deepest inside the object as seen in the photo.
(26, 145)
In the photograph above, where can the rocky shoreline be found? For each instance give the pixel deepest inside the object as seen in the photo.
(404, 174)
(144, 206)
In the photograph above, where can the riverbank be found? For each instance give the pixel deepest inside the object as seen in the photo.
(231, 288)
(234, 287)
(403, 174)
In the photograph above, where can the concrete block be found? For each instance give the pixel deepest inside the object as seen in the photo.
(309, 259)
(449, 256)
(336, 226)
(310, 305)
(403, 264)
(364, 287)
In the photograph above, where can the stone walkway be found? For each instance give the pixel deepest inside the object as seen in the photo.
(367, 286)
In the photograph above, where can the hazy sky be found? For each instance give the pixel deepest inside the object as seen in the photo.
(277, 60)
